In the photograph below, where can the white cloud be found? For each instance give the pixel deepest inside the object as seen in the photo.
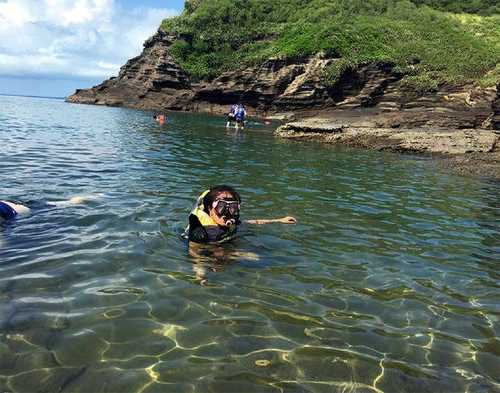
(72, 38)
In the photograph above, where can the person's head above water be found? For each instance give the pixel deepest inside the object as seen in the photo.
(222, 203)
(215, 217)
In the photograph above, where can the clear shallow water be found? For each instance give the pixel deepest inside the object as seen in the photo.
(389, 283)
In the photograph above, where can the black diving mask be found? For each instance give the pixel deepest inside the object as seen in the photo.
(227, 209)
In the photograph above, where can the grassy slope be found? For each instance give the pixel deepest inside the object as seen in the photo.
(430, 46)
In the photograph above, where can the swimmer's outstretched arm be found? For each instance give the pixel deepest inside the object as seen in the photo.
(22, 209)
(76, 200)
(283, 220)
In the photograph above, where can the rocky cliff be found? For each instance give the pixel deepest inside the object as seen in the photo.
(373, 91)
(149, 81)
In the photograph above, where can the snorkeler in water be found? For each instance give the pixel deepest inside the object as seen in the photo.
(215, 220)
(160, 118)
(10, 210)
(216, 216)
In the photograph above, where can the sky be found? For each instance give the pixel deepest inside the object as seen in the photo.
(52, 47)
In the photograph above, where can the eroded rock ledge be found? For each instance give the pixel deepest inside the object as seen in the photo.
(467, 151)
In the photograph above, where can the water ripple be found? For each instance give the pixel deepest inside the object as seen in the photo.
(389, 282)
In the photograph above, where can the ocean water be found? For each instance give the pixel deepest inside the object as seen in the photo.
(388, 283)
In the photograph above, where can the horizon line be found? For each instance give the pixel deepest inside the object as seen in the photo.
(31, 96)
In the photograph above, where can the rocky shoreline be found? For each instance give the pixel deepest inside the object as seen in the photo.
(367, 107)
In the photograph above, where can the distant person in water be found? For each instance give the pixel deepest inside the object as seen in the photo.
(10, 210)
(216, 216)
(231, 115)
(160, 118)
(239, 116)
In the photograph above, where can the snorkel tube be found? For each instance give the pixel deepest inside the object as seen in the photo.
(229, 222)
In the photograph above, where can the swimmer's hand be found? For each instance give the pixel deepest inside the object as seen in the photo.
(288, 220)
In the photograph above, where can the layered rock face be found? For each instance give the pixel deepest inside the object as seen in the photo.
(154, 81)
(495, 115)
(150, 81)
(275, 85)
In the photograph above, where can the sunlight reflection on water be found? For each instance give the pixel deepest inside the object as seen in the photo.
(389, 282)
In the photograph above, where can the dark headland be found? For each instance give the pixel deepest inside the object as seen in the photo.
(420, 76)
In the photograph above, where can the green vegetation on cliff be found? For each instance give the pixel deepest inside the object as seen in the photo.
(428, 45)
(481, 7)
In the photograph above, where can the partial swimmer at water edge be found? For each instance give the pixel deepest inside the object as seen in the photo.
(10, 209)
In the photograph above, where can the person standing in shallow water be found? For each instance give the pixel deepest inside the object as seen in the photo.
(239, 116)
(231, 115)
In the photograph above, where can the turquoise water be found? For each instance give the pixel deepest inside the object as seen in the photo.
(388, 283)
